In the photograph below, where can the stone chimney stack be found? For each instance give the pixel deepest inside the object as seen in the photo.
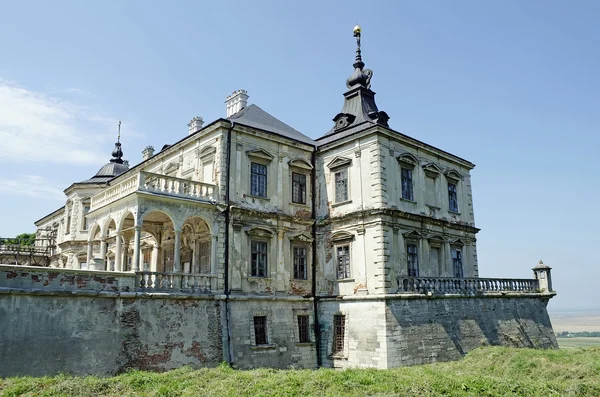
(195, 125)
(236, 102)
(147, 152)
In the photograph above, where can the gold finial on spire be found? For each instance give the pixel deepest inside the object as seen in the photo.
(357, 30)
(119, 136)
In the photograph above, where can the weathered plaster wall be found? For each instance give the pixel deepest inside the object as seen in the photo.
(49, 333)
(397, 331)
(284, 349)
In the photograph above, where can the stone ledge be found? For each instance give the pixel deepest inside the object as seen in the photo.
(103, 294)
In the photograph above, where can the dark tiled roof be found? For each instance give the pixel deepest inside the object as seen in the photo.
(107, 172)
(253, 116)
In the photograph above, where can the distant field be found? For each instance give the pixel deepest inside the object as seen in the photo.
(571, 343)
(575, 321)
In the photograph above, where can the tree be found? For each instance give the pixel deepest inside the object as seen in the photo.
(22, 239)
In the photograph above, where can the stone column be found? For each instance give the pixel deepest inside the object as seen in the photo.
(213, 255)
(118, 253)
(103, 253)
(136, 249)
(90, 253)
(448, 259)
(280, 263)
(154, 260)
(425, 262)
(177, 252)
(125, 254)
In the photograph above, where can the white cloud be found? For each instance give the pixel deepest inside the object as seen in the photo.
(37, 127)
(32, 186)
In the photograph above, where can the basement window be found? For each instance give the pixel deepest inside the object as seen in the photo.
(339, 331)
(260, 330)
(303, 329)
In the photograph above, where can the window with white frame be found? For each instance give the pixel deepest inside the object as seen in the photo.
(258, 180)
(300, 263)
(407, 183)
(452, 197)
(412, 258)
(341, 185)
(298, 188)
(86, 209)
(343, 261)
(258, 265)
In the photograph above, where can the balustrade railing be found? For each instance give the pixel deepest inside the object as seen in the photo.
(193, 283)
(465, 286)
(170, 185)
(154, 183)
(113, 193)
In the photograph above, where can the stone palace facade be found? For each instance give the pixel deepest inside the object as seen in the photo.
(357, 248)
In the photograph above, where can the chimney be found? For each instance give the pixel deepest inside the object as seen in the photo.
(195, 125)
(147, 152)
(236, 102)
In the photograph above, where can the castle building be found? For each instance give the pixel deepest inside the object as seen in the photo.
(320, 252)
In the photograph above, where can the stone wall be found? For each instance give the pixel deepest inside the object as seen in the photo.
(51, 332)
(283, 349)
(395, 330)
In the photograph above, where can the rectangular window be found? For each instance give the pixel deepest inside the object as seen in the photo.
(298, 188)
(258, 180)
(303, 330)
(435, 260)
(452, 198)
(260, 330)
(413, 260)
(339, 329)
(457, 265)
(300, 263)
(68, 228)
(341, 186)
(205, 257)
(407, 184)
(147, 255)
(259, 259)
(343, 261)
(86, 209)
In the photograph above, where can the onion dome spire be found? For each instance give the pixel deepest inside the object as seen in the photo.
(361, 76)
(117, 153)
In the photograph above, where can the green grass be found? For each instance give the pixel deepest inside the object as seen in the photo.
(571, 343)
(490, 371)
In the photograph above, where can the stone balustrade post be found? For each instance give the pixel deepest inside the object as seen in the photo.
(544, 277)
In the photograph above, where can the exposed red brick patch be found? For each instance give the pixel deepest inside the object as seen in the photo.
(194, 351)
(10, 275)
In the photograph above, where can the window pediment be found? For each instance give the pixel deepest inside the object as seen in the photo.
(300, 163)
(259, 231)
(260, 154)
(452, 174)
(341, 236)
(432, 170)
(339, 162)
(457, 242)
(303, 237)
(171, 167)
(412, 234)
(207, 152)
(436, 238)
(407, 159)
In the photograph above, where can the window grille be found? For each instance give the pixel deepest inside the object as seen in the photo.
(300, 263)
(452, 198)
(258, 180)
(298, 188)
(259, 259)
(341, 186)
(343, 261)
(339, 329)
(457, 265)
(413, 260)
(407, 184)
(260, 330)
(303, 330)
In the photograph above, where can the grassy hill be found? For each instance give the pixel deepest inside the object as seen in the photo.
(490, 371)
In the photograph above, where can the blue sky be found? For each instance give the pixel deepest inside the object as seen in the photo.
(512, 86)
